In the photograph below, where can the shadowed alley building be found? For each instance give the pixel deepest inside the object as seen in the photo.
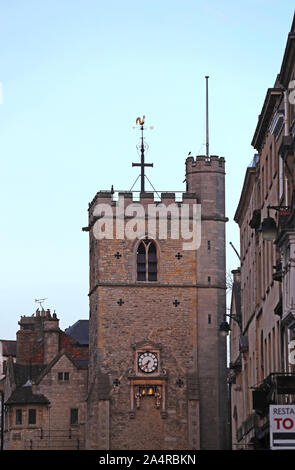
(263, 320)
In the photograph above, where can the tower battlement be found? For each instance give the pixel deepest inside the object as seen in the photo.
(145, 199)
(202, 163)
(102, 196)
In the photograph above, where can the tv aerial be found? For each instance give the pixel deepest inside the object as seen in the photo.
(40, 302)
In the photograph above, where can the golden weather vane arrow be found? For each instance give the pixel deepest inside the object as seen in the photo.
(142, 163)
(140, 121)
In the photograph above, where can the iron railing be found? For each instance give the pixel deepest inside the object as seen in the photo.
(61, 439)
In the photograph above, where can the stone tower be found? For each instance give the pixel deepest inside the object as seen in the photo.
(157, 377)
(206, 178)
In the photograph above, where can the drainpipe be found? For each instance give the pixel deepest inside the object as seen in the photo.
(286, 113)
(286, 133)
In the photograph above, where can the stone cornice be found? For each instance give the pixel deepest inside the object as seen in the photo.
(158, 285)
(272, 95)
(288, 60)
(245, 195)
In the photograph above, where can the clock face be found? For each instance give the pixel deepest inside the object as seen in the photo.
(147, 362)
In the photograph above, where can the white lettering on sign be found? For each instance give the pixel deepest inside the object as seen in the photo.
(282, 427)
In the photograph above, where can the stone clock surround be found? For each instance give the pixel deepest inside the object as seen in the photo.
(156, 379)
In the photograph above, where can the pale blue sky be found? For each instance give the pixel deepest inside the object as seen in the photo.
(75, 75)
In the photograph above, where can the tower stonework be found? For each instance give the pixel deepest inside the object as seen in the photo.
(206, 178)
(157, 364)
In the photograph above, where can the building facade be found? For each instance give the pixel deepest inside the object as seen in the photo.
(157, 368)
(261, 371)
(156, 373)
(44, 390)
(7, 349)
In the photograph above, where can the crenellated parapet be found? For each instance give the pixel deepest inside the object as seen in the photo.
(202, 163)
(123, 199)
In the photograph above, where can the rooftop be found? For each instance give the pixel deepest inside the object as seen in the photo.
(79, 331)
(24, 395)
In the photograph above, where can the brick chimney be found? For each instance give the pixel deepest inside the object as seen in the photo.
(236, 275)
(51, 336)
(25, 340)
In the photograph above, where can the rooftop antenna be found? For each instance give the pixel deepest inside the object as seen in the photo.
(40, 302)
(142, 147)
(207, 120)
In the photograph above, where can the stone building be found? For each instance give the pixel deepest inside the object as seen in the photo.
(262, 326)
(7, 349)
(157, 364)
(156, 377)
(45, 387)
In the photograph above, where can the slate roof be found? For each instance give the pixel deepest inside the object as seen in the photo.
(23, 372)
(24, 395)
(81, 363)
(79, 331)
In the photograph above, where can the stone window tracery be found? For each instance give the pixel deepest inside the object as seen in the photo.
(147, 261)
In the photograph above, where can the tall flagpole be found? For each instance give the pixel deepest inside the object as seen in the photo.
(207, 120)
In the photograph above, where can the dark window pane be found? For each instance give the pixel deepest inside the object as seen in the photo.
(152, 260)
(141, 249)
(60, 376)
(141, 258)
(74, 415)
(141, 262)
(32, 416)
(152, 276)
(152, 268)
(141, 276)
(66, 375)
(152, 248)
(141, 268)
(18, 417)
(152, 257)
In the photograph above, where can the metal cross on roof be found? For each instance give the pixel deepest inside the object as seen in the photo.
(142, 148)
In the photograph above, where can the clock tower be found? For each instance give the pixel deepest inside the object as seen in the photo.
(157, 368)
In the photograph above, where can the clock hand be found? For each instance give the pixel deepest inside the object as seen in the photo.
(146, 364)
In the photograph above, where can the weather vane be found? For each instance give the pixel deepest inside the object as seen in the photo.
(142, 147)
(140, 121)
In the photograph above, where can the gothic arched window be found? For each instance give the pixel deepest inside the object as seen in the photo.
(147, 261)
